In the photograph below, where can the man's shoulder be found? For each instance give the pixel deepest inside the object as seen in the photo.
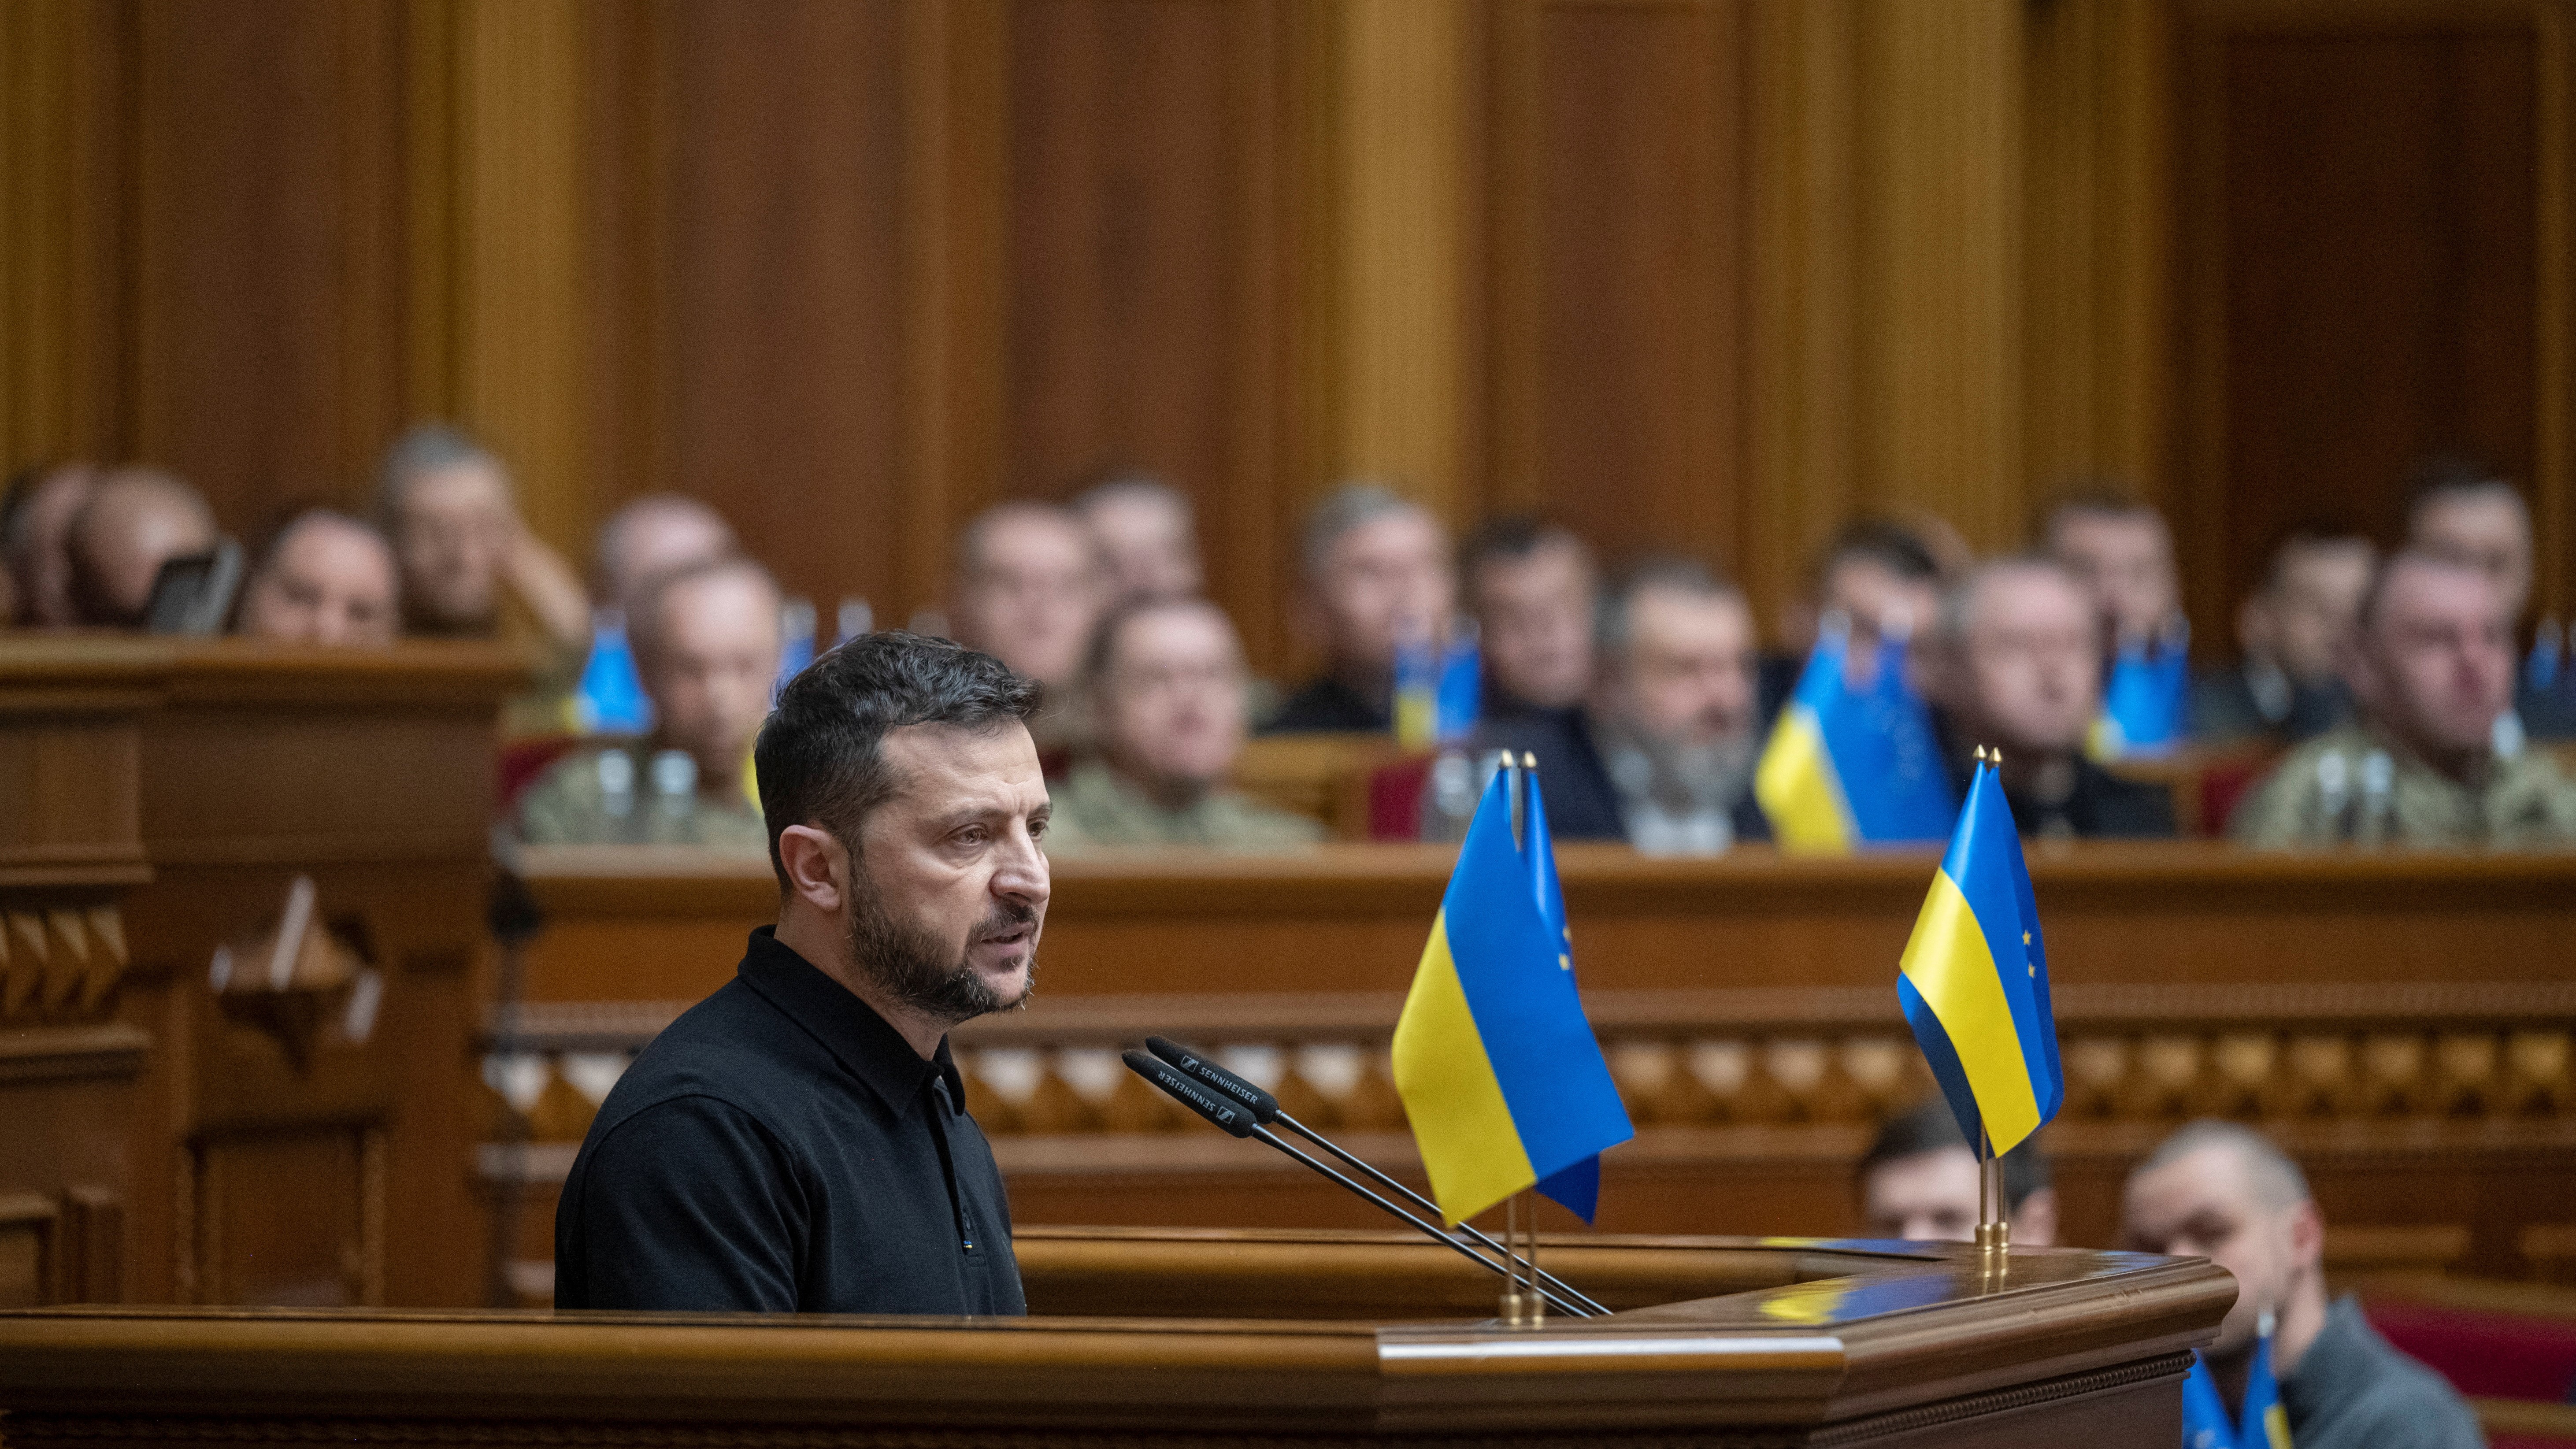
(1239, 820)
(2126, 808)
(2276, 806)
(566, 805)
(1323, 705)
(735, 1048)
(2377, 1396)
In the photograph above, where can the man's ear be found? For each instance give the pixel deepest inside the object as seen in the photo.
(2307, 1236)
(817, 865)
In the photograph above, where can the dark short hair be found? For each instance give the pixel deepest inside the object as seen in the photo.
(1514, 537)
(820, 755)
(1611, 622)
(1892, 546)
(1929, 1127)
(2090, 498)
(2444, 477)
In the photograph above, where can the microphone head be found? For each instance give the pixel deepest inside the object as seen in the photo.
(1263, 1106)
(1225, 1115)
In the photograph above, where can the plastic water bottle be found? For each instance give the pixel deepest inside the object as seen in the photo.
(675, 783)
(616, 784)
(852, 619)
(610, 698)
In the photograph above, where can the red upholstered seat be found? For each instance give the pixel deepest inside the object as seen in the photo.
(2485, 1353)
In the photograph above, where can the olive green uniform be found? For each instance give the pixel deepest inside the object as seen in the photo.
(1095, 809)
(573, 804)
(2331, 790)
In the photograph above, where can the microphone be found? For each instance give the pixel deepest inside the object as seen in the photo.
(1232, 1117)
(1265, 1110)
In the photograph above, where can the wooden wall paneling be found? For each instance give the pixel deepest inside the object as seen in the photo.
(1616, 233)
(1144, 292)
(2097, 128)
(63, 115)
(267, 295)
(2342, 318)
(2553, 463)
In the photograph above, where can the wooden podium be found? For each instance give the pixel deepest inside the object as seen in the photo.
(1308, 1339)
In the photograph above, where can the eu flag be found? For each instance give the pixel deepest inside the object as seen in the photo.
(1974, 980)
(2204, 1413)
(1498, 1069)
(1848, 767)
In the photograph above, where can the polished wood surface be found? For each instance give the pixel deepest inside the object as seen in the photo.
(1803, 1343)
(2406, 1023)
(210, 1134)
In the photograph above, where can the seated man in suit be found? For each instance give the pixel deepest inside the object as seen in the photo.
(325, 578)
(1918, 1182)
(135, 520)
(2224, 1192)
(2430, 665)
(1661, 752)
(1166, 683)
(798, 1142)
(1531, 585)
(2459, 510)
(706, 645)
(1030, 584)
(1148, 534)
(2122, 553)
(1376, 570)
(2015, 663)
(2292, 633)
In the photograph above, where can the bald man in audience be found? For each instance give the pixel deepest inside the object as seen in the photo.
(2224, 1192)
(707, 644)
(1531, 585)
(1030, 584)
(2015, 663)
(2431, 668)
(1165, 678)
(135, 521)
(465, 557)
(1148, 536)
(325, 578)
(2292, 632)
(653, 535)
(1919, 1182)
(2122, 552)
(35, 540)
(1660, 753)
(1376, 569)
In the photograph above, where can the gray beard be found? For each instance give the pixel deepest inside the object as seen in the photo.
(912, 966)
(1680, 779)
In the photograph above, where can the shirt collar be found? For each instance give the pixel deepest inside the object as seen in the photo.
(864, 1043)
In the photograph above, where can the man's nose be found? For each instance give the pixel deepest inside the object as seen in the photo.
(1022, 873)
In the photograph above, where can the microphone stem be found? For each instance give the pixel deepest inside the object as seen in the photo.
(1563, 1289)
(1428, 1230)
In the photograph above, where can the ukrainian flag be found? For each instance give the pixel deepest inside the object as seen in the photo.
(1498, 1069)
(1974, 980)
(2263, 1423)
(1846, 767)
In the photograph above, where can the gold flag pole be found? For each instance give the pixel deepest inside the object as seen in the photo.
(1994, 1231)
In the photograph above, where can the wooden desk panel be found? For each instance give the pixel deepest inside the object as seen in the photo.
(2404, 1022)
(1810, 1343)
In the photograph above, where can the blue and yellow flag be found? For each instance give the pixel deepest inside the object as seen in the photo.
(1849, 767)
(2263, 1423)
(1500, 1074)
(1974, 980)
(2204, 1413)
(2146, 702)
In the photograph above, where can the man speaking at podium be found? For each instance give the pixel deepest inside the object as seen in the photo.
(798, 1142)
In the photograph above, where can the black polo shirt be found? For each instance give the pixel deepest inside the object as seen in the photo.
(781, 1149)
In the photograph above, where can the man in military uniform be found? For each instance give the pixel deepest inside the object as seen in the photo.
(706, 644)
(1166, 680)
(2431, 668)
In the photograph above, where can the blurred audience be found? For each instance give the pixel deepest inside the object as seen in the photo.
(1148, 535)
(2459, 510)
(2122, 553)
(706, 643)
(1661, 752)
(134, 521)
(1531, 586)
(323, 578)
(1879, 575)
(654, 535)
(2291, 632)
(2222, 1191)
(2430, 664)
(35, 540)
(2016, 664)
(1165, 678)
(1375, 570)
(1919, 1182)
(1029, 588)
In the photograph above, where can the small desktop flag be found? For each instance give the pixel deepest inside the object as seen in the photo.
(2263, 1423)
(1974, 980)
(1846, 767)
(1498, 1069)
(2145, 701)
(2204, 1413)
(1437, 690)
(1577, 1187)
(610, 698)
